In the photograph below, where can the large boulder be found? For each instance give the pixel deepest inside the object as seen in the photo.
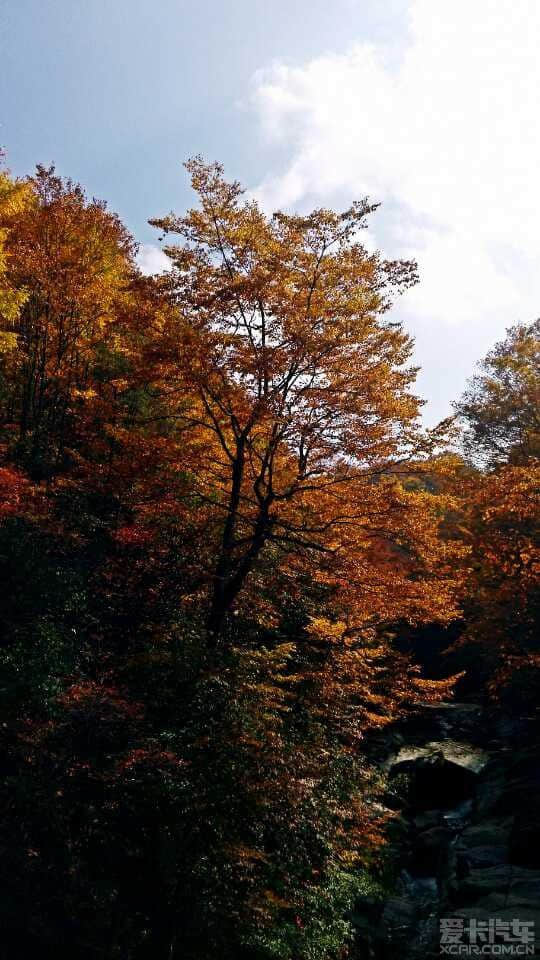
(502, 878)
(441, 774)
(430, 850)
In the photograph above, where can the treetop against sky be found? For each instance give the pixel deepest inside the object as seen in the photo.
(427, 108)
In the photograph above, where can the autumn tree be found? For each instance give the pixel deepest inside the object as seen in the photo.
(499, 409)
(199, 601)
(499, 412)
(302, 386)
(68, 259)
(15, 196)
(500, 600)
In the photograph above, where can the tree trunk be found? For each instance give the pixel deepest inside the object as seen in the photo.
(231, 575)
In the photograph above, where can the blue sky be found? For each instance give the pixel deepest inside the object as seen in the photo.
(118, 92)
(429, 106)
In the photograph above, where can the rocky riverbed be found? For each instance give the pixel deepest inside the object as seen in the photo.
(465, 838)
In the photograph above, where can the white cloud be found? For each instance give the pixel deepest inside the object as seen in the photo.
(449, 139)
(152, 260)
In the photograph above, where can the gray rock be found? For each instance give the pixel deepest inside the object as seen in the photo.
(525, 885)
(439, 774)
(428, 819)
(527, 912)
(453, 751)
(487, 833)
(492, 904)
(502, 878)
(485, 880)
(490, 791)
(524, 839)
(456, 819)
(484, 856)
(430, 846)
(399, 913)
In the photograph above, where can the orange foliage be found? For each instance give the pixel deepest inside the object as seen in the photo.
(296, 409)
(502, 594)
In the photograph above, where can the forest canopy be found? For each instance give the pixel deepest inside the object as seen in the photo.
(219, 515)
